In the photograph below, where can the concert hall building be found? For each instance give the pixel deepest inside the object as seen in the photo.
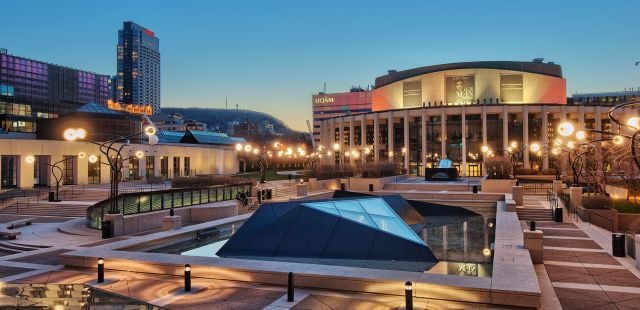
(452, 110)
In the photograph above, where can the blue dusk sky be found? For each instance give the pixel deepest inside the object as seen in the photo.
(270, 56)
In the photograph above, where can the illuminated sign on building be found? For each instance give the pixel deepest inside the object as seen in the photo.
(324, 100)
(130, 108)
(460, 89)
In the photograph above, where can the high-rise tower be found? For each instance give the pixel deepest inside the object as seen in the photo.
(138, 79)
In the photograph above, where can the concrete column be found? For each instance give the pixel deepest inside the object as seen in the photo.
(25, 172)
(405, 128)
(142, 167)
(443, 133)
(525, 137)
(390, 141)
(464, 147)
(376, 137)
(444, 242)
(517, 193)
(557, 186)
(351, 140)
(546, 151)
(484, 139)
(423, 130)
(533, 243)
(363, 131)
(575, 196)
(341, 140)
(465, 241)
(598, 124)
(505, 129)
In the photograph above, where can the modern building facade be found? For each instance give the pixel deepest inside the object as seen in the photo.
(326, 106)
(31, 90)
(451, 111)
(138, 55)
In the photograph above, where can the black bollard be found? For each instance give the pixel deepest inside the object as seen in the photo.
(187, 278)
(171, 212)
(408, 295)
(532, 226)
(290, 287)
(100, 270)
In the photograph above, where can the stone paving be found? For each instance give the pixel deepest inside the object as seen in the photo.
(583, 274)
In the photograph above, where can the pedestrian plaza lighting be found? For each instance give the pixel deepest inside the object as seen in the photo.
(534, 147)
(113, 154)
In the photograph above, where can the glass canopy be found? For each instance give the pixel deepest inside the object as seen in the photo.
(373, 212)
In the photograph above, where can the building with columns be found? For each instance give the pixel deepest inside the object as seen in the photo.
(451, 111)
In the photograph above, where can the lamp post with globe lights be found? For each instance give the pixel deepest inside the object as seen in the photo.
(268, 150)
(55, 167)
(113, 153)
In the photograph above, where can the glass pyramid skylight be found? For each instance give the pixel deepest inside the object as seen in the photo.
(373, 212)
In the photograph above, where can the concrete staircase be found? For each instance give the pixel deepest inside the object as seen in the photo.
(14, 248)
(534, 214)
(59, 209)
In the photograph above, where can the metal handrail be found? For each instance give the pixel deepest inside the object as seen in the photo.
(149, 201)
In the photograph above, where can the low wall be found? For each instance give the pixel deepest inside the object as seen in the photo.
(137, 223)
(497, 185)
(604, 218)
(362, 184)
(628, 222)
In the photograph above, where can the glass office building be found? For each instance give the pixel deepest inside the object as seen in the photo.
(138, 57)
(31, 90)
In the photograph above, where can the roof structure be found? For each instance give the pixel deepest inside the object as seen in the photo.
(549, 69)
(166, 136)
(96, 108)
(206, 137)
(343, 230)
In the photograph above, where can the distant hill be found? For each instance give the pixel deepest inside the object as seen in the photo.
(218, 119)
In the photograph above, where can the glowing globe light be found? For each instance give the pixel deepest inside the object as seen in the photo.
(93, 159)
(571, 144)
(484, 149)
(30, 159)
(581, 135)
(336, 146)
(617, 140)
(81, 133)
(139, 154)
(565, 129)
(514, 144)
(248, 148)
(634, 122)
(82, 155)
(238, 147)
(535, 147)
(150, 131)
(70, 134)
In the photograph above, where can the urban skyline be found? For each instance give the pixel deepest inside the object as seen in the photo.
(213, 52)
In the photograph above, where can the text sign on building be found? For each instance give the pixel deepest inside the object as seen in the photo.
(324, 99)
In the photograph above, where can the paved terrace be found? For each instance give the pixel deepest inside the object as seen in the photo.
(578, 273)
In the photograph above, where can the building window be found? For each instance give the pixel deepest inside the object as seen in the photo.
(9, 170)
(150, 166)
(164, 166)
(176, 167)
(69, 170)
(94, 172)
(134, 168)
(187, 166)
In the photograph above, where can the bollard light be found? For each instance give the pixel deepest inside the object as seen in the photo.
(171, 212)
(532, 226)
(100, 270)
(187, 278)
(408, 295)
(290, 287)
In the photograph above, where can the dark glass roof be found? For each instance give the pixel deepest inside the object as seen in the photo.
(348, 231)
(523, 66)
(96, 108)
(207, 137)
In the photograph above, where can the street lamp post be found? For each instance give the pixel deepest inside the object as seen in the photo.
(54, 167)
(113, 154)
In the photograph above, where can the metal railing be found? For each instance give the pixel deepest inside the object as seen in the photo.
(148, 201)
(536, 188)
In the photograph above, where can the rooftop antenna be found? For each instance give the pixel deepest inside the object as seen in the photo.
(226, 103)
(324, 85)
(236, 106)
